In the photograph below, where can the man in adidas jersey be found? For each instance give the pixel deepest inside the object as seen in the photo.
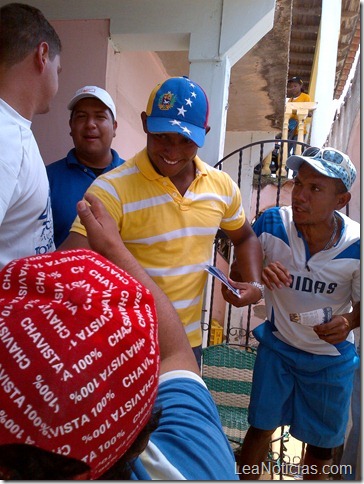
(306, 360)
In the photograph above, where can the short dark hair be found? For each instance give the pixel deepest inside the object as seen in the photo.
(24, 462)
(123, 468)
(22, 29)
(339, 185)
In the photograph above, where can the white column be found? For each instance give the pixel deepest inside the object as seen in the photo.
(214, 77)
(324, 93)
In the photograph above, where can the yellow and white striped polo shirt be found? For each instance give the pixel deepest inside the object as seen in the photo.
(171, 235)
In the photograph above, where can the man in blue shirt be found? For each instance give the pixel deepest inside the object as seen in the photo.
(93, 125)
(124, 397)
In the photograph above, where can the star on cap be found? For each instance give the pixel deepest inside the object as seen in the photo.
(181, 111)
(186, 130)
(175, 121)
(193, 94)
(188, 102)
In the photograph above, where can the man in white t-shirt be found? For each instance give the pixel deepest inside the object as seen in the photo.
(29, 70)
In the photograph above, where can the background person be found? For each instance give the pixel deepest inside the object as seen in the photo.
(189, 432)
(306, 360)
(93, 126)
(296, 94)
(29, 68)
(168, 205)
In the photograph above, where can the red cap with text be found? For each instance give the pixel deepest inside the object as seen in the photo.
(79, 356)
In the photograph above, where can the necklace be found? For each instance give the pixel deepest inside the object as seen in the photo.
(333, 235)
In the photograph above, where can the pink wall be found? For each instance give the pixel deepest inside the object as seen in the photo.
(268, 197)
(88, 59)
(354, 155)
(83, 61)
(131, 76)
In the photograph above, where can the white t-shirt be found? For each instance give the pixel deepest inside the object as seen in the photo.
(329, 279)
(26, 224)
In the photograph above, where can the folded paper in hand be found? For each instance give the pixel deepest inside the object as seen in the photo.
(214, 271)
(312, 318)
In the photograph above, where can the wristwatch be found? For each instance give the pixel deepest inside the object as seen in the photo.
(260, 287)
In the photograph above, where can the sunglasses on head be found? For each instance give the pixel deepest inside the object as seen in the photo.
(331, 156)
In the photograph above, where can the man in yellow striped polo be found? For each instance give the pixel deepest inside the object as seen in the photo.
(168, 205)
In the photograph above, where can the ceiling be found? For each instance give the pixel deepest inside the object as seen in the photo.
(306, 15)
(349, 43)
(258, 80)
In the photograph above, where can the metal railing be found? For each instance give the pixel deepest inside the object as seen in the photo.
(267, 169)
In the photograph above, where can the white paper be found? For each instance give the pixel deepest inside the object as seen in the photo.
(312, 318)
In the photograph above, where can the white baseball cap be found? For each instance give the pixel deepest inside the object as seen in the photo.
(93, 91)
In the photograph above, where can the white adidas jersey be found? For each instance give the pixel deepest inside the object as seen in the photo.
(327, 281)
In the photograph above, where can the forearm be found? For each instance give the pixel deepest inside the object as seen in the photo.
(246, 268)
(353, 317)
(74, 241)
(249, 261)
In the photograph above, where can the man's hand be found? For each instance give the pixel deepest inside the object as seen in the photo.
(102, 232)
(275, 275)
(339, 327)
(248, 294)
(334, 332)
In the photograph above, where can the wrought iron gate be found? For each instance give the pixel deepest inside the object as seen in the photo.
(277, 174)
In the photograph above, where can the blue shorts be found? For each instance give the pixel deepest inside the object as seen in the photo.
(310, 393)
